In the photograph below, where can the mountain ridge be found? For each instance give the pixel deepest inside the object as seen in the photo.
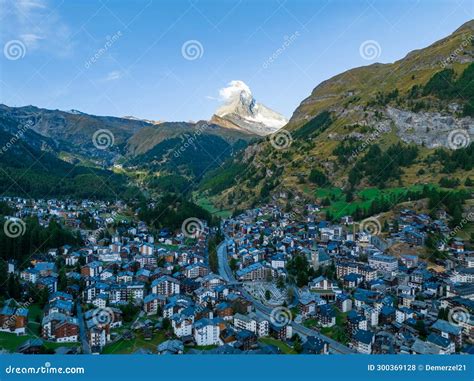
(418, 100)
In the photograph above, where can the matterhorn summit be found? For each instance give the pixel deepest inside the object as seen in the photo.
(240, 111)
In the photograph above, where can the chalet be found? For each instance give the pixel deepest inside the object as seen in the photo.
(356, 322)
(315, 346)
(363, 341)
(326, 315)
(60, 328)
(91, 269)
(170, 347)
(153, 302)
(448, 331)
(165, 285)
(446, 346)
(182, 323)
(206, 332)
(256, 271)
(13, 317)
(281, 332)
(252, 323)
(344, 302)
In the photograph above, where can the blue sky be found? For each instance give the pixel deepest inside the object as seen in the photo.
(126, 57)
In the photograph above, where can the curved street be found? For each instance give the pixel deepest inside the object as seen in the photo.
(226, 273)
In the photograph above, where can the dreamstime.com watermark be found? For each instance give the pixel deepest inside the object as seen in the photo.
(190, 141)
(110, 40)
(45, 369)
(366, 143)
(453, 233)
(20, 307)
(287, 42)
(466, 41)
(16, 136)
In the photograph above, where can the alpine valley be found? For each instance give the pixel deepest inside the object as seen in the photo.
(384, 126)
(378, 132)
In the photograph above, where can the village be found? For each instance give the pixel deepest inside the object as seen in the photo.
(273, 282)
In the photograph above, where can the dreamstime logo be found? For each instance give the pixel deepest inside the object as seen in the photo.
(370, 50)
(192, 227)
(281, 316)
(14, 227)
(370, 226)
(14, 50)
(458, 139)
(47, 368)
(103, 316)
(110, 40)
(103, 139)
(192, 50)
(281, 139)
(458, 316)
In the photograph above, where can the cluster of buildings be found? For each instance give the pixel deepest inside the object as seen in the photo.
(361, 292)
(375, 291)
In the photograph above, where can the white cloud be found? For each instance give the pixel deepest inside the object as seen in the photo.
(31, 40)
(233, 90)
(34, 23)
(113, 75)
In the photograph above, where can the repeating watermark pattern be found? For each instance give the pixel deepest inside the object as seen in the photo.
(19, 307)
(469, 218)
(92, 239)
(103, 316)
(466, 41)
(46, 369)
(192, 227)
(14, 50)
(458, 139)
(110, 41)
(370, 50)
(458, 316)
(366, 143)
(281, 316)
(103, 139)
(14, 227)
(281, 139)
(370, 226)
(16, 136)
(190, 141)
(192, 50)
(287, 42)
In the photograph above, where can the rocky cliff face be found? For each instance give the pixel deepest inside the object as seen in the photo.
(358, 85)
(429, 129)
(424, 99)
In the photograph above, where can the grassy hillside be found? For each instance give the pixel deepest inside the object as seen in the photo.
(383, 126)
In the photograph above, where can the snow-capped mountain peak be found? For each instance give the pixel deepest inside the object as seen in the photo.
(241, 111)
